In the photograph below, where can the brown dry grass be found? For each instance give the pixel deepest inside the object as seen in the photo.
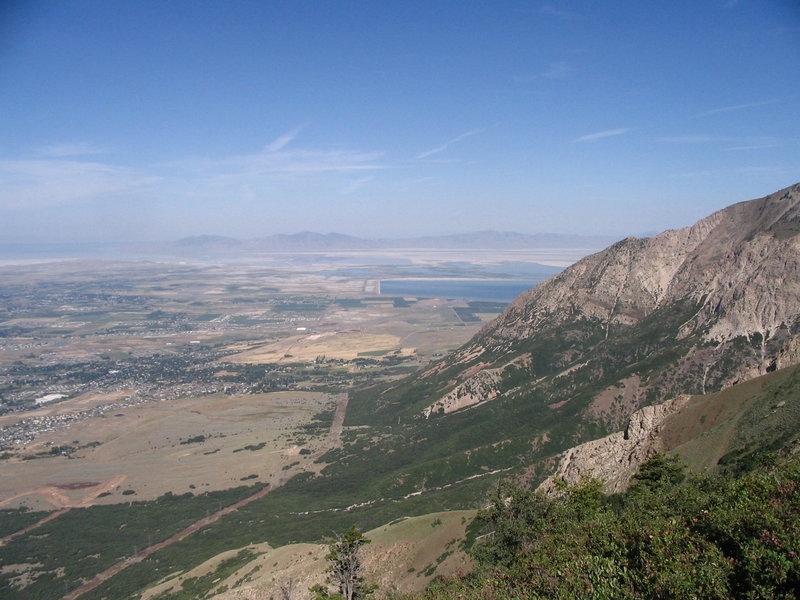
(144, 445)
(345, 345)
(409, 546)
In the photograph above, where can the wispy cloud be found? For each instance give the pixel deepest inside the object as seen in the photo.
(768, 170)
(741, 143)
(559, 69)
(48, 181)
(693, 174)
(70, 149)
(692, 139)
(282, 141)
(354, 186)
(593, 137)
(26, 184)
(282, 162)
(734, 107)
(746, 170)
(447, 144)
(551, 11)
(556, 70)
(756, 147)
(313, 161)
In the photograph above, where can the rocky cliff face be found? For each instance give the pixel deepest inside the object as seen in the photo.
(615, 458)
(733, 428)
(687, 311)
(740, 265)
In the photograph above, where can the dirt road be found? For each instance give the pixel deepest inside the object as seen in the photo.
(56, 496)
(333, 441)
(114, 569)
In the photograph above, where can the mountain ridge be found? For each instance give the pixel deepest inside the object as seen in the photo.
(690, 310)
(313, 241)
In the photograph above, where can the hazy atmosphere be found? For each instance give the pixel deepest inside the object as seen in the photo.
(150, 120)
(399, 300)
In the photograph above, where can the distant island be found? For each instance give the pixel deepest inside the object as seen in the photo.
(311, 241)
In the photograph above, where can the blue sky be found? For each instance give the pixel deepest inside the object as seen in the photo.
(148, 120)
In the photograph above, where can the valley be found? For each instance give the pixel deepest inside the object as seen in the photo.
(103, 363)
(138, 383)
(223, 414)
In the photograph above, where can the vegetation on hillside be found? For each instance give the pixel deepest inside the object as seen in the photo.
(668, 536)
(59, 555)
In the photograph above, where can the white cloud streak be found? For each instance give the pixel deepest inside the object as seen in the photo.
(53, 181)
(555, 71)
(447, 144)
(551, 11)
(756, 147)
(32, 184)
(745, 143)
(282, 141)
(735, 107)
(354, 186)
(692, 139)
(69, 149)
(284, 162)
(593, 137)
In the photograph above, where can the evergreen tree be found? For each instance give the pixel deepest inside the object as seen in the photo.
(345, 570)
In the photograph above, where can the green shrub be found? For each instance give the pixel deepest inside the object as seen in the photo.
(667, 537)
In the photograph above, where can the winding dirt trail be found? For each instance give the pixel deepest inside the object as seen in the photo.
(334, 440)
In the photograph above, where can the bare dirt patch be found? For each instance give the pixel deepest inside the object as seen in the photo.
(615, 403)
(78, 485)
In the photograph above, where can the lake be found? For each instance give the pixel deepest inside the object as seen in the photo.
(498, 290)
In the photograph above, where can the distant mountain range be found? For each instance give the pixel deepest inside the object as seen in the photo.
(309, 241)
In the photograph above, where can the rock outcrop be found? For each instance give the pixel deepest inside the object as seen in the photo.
(476, 389)
(615, 458)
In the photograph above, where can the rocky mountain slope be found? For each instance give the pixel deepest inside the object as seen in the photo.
(687, 311)
(728, 429)
(615, 458)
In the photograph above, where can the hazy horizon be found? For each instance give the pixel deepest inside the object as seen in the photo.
(139, 122)
(211, 236)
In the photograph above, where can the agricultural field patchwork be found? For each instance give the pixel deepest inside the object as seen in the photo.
(180, 401)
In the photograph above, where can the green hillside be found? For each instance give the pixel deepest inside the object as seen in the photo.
(732, 429)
